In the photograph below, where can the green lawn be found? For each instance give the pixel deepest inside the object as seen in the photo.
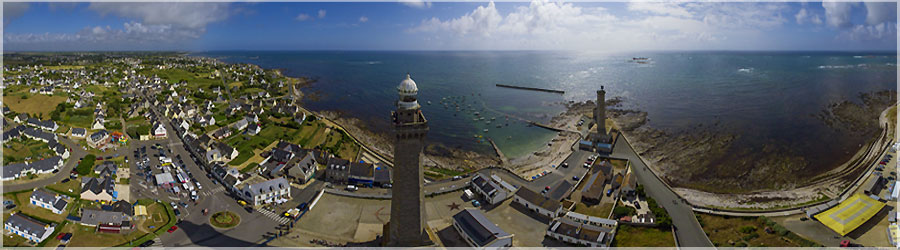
(34, 104)
(630, 236)
(25, 207)
(601, 210)
(245, 144)
(17, 150)
(63, 188)
(749, 231)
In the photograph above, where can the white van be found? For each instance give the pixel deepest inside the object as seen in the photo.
(352, 188)
(469, 194)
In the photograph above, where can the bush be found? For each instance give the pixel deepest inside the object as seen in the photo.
(621, 211)
(750, 236)
(748, 229)
(86, 165)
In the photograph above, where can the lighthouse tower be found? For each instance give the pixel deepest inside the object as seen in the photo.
(407, 225)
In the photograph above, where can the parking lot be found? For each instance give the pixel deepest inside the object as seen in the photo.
(152, 159)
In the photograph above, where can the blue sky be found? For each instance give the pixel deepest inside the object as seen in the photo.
(537, 25)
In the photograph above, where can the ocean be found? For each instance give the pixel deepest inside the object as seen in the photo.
(764, 97)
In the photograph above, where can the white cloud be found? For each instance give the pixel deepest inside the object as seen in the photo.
(877, 13)
(837, 14)
(421, 4)
(861, 32)
(560, 25)
(132, 35)
(805, 16)
(363, 19)
(671, 9)
(321, 14)
(182, 14)
(303, 17)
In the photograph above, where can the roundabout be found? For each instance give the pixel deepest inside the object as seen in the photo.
(224, 219)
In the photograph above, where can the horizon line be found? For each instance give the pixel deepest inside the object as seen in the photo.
(398, 50)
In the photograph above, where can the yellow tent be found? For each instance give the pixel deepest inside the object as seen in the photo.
(140, 210)
(850, 214)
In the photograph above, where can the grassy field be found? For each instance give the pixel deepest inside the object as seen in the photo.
(79, 118)
(749, 231)
(246, 144)
(629, 236)
(24, 206)
(64, 67)
(74, 185)
(33, 104)
(17, 150)
(601, 210)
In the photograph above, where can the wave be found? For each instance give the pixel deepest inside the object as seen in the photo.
(848, 66)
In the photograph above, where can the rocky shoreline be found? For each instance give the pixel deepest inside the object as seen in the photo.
(436, 155)
(756, 178)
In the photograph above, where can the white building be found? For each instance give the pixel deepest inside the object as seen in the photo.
(538, 203)
(28, 228)
(55, 203)
(158, 130)
(573, 232)
(492, 190)
(276, 190)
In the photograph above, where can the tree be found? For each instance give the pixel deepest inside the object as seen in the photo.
(86, 165)
(622, 211)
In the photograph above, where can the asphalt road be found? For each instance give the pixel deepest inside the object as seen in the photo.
(688, 232)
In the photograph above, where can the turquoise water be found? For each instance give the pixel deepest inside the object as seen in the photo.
(765, 97)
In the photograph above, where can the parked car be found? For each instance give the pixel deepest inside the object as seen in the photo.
(476, 203)
(177, 213)
(147, 243)
(352, 188)
(173, 228)
(575, 177)
(66, 180)
(565, 164)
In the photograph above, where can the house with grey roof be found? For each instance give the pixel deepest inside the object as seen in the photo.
(43, 166)
(106, 221)
(105, 168)
(478, 231)
(303, 168)
(337, 170)
(97, 189)
(79, 132)
(29, 228)
(537, 202)
(98, 139)
(43, 198)
(491, 191)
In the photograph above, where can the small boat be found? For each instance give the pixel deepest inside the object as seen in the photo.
(498, 126)
(429, 102)
(485, 130)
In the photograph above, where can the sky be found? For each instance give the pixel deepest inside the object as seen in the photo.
(418, 25)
